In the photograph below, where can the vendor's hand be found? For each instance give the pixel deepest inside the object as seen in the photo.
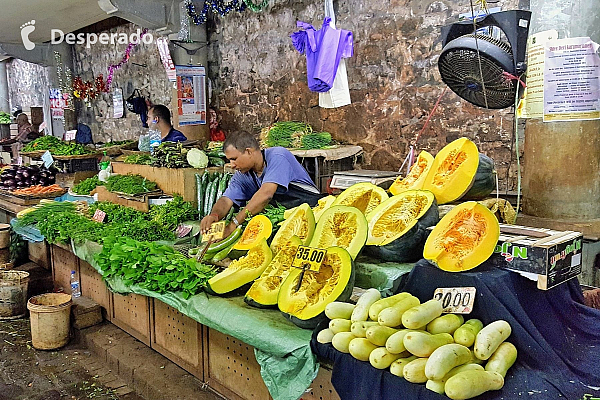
(207, 222)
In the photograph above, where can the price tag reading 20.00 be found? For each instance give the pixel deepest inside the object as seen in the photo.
(309, 257)
(215, 232)
(457, 300)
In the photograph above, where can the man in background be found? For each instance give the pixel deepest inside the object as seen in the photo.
(160, 116)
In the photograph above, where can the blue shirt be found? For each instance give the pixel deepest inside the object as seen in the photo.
(174, 136)
(281, 168)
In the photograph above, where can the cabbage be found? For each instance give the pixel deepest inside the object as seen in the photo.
(197, 158)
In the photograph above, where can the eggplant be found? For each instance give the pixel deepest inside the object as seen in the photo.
(12, 187)
(43, 174)
(26, 174)
(27, 182)
(34, 178)
(10, 182)
(43, 182)
(20, 184)
(18, 177)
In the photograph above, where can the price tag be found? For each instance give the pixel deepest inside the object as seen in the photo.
(456, 300)
(183, 230)
(215, 232)
(70, 135)
(309, 257)
(99, 216)
(47, 159)
(19, 161)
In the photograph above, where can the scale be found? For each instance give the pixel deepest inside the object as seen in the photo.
(345, 179)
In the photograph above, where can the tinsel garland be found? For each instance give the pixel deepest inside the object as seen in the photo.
(64, 81)
(215, 6)
(113, 67)
(256, 7)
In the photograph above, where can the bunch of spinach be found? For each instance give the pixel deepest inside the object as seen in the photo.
(152, 266)
(86, 186)
(130, 184)
(173, 212)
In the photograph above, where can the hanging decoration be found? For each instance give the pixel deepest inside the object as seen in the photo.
(113, 67)
(220, 7)
(256, 7)
(64, 77)
(88, 90)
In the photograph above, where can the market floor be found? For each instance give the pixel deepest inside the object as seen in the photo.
(29, 374)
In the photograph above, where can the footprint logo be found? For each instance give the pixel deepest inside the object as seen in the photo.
(26, 30)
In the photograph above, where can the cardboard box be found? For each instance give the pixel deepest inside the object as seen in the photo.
(544, 255)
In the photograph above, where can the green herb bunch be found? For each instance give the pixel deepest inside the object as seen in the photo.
(143, 159)
(173, 212)
(86, 186)
(130, 184)
(56, 146)
(152, 266)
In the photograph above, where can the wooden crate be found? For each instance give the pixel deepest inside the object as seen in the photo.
(321, 388)
(39, 253)
(177, 337)
(105, 195)
(63, 262)
(93, 286)
(231, 368)
(170, 180)
(132, 314)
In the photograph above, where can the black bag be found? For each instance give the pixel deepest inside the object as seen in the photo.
(130, 103)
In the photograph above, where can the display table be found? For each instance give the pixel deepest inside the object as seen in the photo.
(558, 339)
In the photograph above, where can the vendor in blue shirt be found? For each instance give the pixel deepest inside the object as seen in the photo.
(161, 117)
(261, 177)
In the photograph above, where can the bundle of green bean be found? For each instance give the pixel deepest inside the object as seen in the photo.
(285, 134)
(210, 187)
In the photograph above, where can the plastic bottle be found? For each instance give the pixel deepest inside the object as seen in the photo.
(104, 161)
(155, 138)
(75, 289)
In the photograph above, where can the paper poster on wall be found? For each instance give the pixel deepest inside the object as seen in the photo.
(191, 95)
(533, 97)
(571, 80)
(165, 56)
(58, 103)
(118, 103)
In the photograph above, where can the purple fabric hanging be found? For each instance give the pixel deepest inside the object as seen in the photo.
(323, 48)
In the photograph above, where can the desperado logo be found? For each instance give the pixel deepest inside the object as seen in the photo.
(510, 254)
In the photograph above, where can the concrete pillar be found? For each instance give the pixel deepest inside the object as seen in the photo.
(561, 173)
(4, 94)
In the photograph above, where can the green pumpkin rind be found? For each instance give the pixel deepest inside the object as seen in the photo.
(484, 181)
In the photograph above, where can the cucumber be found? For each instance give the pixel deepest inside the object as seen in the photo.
(392, 316)
(502, 359)
(338, 325)
(221, 255)
(445, 324)
(382, 304)
(397, 367)
(422, 314)
(468, 384)
(378, 335)
(414, 371)
(325, 336)
(466, 334)
(227, 242)
(338, 309)
(490, 337)
(423, 344)
(444, 358)
(361, 311)
(199, 196)
(359, 329)
(380, 358)
(361, 348)
(341, 341)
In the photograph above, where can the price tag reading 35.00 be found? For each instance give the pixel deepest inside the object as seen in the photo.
(215, 232)
(310, 257)
(456, 300)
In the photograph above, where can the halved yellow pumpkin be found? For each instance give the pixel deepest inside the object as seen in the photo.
(243, 270)
(341, 226)
(301, 223)
(463, 239)
(259, 227)
(264, 291)
(453, 171)
(334, 282)
(322, 205)
(365, 196)
(416, 177)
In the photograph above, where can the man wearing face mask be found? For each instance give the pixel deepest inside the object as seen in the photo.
(261, 176)
(160, 116)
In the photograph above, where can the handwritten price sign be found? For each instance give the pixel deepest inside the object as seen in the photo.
(456, 300)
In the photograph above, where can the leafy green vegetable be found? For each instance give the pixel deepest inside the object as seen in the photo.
(85, 187)
(316, 140)
(197, 158)
(173, 212)
(143, 159)
(56, 146)
(130, 184)
(284, 134)
(170, 155)
(4, 118)
(153, 266)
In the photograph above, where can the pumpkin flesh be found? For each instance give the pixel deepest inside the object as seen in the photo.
(264, 290)
(341, 226)
(243, 270)
(301, 224)
(333, 282)
(463, 239)
(259, 227)
(397, 215)
(321, 206)
(365, 196)
(453, 171)
(416, 176)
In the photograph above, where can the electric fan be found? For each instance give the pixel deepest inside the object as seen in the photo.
(464, 49)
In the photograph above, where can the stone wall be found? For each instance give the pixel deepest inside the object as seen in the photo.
(150, 78)
(393, 77)
(27, 83)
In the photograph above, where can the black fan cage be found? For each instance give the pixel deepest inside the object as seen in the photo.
(459, 68)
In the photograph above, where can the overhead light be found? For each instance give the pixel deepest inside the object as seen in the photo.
(107, 6)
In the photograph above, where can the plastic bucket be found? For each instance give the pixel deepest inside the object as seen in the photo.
(50, 316)
(13, 294)
(4, 236)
